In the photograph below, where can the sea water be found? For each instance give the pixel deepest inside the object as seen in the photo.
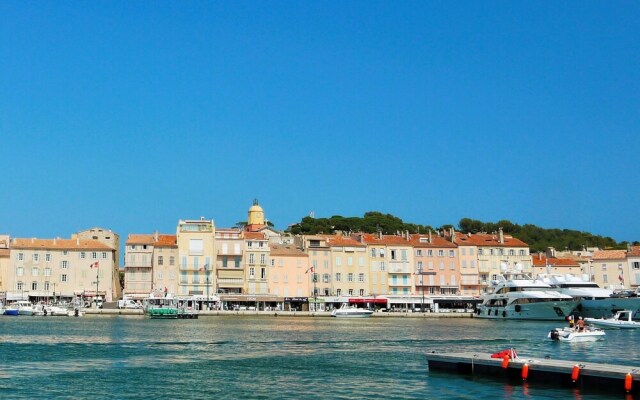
(252, 357)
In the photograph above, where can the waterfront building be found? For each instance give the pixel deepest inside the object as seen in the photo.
(197, 252)
(320, 262)
(495, 251)
(256, 254)
(348, 269)
(111, 239)
(230, 275)
(4, 265)
(437, 269)
(289, 275)
(633, 261)
(150, 265)
(468, 265)
(63, 268)
(547, 263)
(609, 268)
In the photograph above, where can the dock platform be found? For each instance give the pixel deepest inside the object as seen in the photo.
(575, 374)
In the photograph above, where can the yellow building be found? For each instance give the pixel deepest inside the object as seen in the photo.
(197, 254)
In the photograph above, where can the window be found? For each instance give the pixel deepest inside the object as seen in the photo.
(263, 273)
(35, 257)
(263, 258)
(464, 251)
(605, 278)
(47, 286)
(20, 285)
(83, 255)
(47, 271)
(20, 256)
(252, 272)
(273, 262)
(34, 285)
(522, 252)
(480, 252)
(325, 278)
(382, 267)
(34, 271)
(338, 277)
(441, 265)
(160, 260)
(350, 277)
(47, 257)
(104, 255)
(172, 260)
(452, 253)
(440, 253)
(196, 246)
(338, 292)
(393, 254)
(403, 255)
(373, 252)
(94, 255)
(512, 252)
(361, 277)
(361, 292)
(604, 267)
(64, 264)
(430, 253)
(419, 253)
(338, 261)
(636, 265)
(501, 252)
(225, 260)
(65, 252)
(251, 258)
(63, 278)
(420, 266)
(249, 243)
(132, 247)
(350, 292)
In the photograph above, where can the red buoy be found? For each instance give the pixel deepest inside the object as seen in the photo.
(575, 373)
(525, 371)
(628, 381)
(505, 361)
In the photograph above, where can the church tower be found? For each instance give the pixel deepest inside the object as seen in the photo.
(255, 219)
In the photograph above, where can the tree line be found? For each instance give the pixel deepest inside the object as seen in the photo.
(536, 237)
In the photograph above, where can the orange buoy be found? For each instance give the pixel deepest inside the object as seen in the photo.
(505, 361)
(575, 373)
(525, 371)
(628, 381)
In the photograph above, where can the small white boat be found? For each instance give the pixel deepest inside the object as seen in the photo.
(346, 311)
(622, 320)
(589, 334)
(24, 307)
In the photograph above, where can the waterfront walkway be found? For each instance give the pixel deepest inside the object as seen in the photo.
(320, 314)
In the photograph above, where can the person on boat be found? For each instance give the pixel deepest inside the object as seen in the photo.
(580, 324)
(571, 324)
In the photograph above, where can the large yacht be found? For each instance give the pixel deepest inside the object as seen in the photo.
(516, 296)
(595, 302)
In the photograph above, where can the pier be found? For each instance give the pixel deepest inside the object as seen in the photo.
(573, 374)
(319, 314)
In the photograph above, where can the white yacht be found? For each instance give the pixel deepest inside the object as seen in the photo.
(351, 312)
(517, 296)
(595, 302)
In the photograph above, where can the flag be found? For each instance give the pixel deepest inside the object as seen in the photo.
(310, 269)
(621, 278)
(95, 265)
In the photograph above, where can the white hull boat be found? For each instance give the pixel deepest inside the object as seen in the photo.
(621, 320)
(572, 335)
(351, 312)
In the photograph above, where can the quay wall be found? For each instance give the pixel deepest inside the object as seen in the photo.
(320, 314)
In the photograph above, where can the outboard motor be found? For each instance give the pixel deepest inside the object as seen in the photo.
(554, 334)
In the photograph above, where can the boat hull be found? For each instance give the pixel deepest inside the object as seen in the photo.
(570, 335)
(604, 308)
(10, 311)
(543, 311)
(352, 315)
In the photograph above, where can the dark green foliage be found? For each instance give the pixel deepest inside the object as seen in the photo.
(536, 237)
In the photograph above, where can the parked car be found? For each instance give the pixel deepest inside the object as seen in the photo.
(128, 303)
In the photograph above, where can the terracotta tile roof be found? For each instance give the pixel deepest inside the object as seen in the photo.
(489, 240)
(340, 241)
(62, 244)
(139, 239)
(166, 241)
(609, 255)
(254, 235)
(385, 240)
(540, 260)
(436, 241)
(286, 250)
(634, 251)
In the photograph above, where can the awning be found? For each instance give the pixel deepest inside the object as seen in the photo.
(372, 300)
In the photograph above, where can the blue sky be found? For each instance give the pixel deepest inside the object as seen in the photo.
(133, 115)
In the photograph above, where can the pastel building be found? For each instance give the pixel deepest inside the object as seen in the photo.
(111, 239)
(633, 260)
(230, 274)
(40, 269)
(320, 262)
(150, 265)
(437, 269)
(5, 270)
(548, 263)
(609, 268)
(289, 274)
(256, 256)
(197, 253)
(493, 251)
(349, 276)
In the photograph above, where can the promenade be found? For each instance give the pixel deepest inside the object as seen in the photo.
(307, 314)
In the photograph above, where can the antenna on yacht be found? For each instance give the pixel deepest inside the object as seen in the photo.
(518, 267)
(503, 267)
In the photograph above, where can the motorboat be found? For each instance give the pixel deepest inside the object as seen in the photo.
(516, 295)
(10, 310)
(622, 320)
(25, 307)
(566, 334)
(595, 302)
(56, 310)
(346, 311)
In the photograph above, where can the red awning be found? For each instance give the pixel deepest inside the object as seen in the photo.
(360, 300)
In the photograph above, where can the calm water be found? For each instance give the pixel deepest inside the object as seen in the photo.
(269, 358)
